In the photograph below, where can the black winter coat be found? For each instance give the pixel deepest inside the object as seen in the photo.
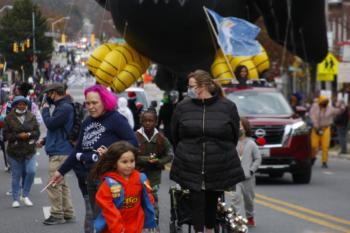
(205, 134)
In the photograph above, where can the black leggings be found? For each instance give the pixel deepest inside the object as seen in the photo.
(204, 204)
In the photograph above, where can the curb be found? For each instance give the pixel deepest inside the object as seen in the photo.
(334, 154)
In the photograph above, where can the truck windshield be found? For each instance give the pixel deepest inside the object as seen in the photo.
(255, 103)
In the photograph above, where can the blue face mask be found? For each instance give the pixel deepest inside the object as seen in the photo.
(191, 93)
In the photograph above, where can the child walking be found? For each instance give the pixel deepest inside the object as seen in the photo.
(155, 151)
(250, 157)
(125, 195)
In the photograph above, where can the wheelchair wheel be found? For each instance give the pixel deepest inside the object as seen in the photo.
(174, 228)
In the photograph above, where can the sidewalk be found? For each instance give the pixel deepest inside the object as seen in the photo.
(334, 152)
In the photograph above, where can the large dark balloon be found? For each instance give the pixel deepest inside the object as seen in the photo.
(176, 35)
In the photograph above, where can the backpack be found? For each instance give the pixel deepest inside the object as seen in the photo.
(79, 113)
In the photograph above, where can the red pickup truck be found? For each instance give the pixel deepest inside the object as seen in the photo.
(287, 145)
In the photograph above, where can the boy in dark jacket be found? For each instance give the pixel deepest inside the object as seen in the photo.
(155, 151)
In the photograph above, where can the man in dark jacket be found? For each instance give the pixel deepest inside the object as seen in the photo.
(58, 147)
(342, 123)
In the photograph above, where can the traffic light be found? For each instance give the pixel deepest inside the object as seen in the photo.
(28, 43)
(63, 38)
(92, 40)
(15, 47)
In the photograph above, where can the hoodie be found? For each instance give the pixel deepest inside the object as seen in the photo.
(125, 111)
(132, 215)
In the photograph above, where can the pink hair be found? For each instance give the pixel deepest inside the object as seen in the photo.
(108, 99)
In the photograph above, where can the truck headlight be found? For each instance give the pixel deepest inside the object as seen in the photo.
(296, 129)
(299, 128)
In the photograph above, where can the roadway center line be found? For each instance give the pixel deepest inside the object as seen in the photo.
(328, 173)
(303, 216)
(305, 210)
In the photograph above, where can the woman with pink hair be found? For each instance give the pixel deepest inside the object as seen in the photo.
(103, 127)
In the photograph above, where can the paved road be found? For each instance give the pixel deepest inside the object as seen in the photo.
(322, 206)
(281, 206)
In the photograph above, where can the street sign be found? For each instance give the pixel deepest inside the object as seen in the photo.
(329, 65)
(327, 68)
(52, 34)
(325, 77)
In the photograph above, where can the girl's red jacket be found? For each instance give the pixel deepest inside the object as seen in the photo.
(130, 218)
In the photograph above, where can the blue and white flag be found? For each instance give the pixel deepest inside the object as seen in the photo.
(236, 36)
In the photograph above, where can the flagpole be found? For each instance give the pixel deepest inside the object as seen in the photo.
(217, 39)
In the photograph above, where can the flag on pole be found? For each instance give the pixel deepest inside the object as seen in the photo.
(236, 36)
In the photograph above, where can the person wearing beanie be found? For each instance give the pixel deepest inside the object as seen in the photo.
(21, 131)
(132, 98)
(321, 115)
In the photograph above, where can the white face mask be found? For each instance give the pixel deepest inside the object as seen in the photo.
(21, 112)
(192, 93)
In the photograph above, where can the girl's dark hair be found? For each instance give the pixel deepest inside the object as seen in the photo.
(239, 69)
(108, 161)
(203, 78)
(246, 127)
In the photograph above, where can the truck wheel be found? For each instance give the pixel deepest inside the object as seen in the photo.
(302, 177)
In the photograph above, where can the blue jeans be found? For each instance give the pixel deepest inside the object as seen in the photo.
(26, 166)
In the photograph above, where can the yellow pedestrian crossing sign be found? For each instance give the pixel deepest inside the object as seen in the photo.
(328, 66)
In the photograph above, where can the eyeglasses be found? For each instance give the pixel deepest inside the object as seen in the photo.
(194, 87)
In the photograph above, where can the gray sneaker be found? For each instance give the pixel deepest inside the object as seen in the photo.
(53, 221)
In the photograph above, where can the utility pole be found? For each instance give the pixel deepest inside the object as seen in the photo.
(34, 45)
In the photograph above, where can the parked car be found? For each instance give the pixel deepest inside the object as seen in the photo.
(284, 135)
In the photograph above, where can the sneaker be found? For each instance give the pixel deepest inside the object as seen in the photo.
(324, 165)
(70, 219)
(251, 222)
(53, 221)
(27, 201)
(15, 204)
(9, 193)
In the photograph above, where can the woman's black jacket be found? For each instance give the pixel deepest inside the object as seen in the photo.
(205, 134)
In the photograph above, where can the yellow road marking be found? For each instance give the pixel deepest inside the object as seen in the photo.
(305, 210)
(303, 216)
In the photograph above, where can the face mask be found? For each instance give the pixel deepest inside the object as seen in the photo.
(21, 112)
(49, 100)
(323, 105)
(191, 93)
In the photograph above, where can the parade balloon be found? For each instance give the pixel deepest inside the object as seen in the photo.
(176, 34)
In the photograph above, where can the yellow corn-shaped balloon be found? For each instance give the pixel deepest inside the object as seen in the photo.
(261, 61)
(127, 76)
(118, 67)
(98, 55)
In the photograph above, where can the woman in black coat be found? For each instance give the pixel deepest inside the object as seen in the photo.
(205, 132)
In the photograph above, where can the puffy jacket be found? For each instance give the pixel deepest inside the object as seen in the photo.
(205, 134)
(17, 148)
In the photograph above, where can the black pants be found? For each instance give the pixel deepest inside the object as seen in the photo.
(204, 204)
